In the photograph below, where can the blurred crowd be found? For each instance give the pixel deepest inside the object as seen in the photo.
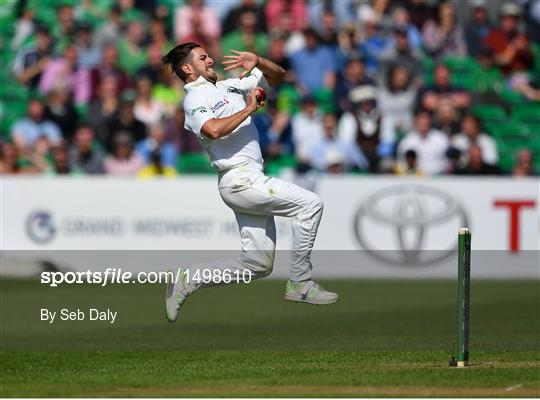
(406, 87)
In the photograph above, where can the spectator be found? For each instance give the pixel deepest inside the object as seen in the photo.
(84, 157)
(343, 10)
(64, 30)
(314, 65)
(354, 75)
(105, 107)
(60, 156)
(158, 35)
(125, 121)
(471, 134)
(348, 47)
(307, 129)
(132, 54)
(27, 130)
(9, 159)
(442, 91)
(444, 37)
(522, 83)
(108, 33)
(24, 27)
(132, 12)
(65, 71)
(373, 45)
(123, 161)
(155, 168)
(156, 142)
(376, 10)
(512, 48)
(295, 9)
(421, 11)
(168, 92)
(334, 162)
(277, 53)
(89, 53)
(178, 136)
(361, 126)
(396, 101)
(400, 17)
(487, 78)
(329, 30)
(430, 145)
(195, 22)
(401, 53)
(154, 66)
(328, 146)
(245, 38)
(408, 166)
(231, 20)
(478, 28)
(60, 110)
(285, 28)
(30, 62)
(38, 159)
(533, 19)
(476, 164)
(524, 164)
(146, 109)
(446, 118)
(108, 67)
(275, 131)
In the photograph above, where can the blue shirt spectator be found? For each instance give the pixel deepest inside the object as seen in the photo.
(314, 65)
(328, 145)
(27, 130)
(344, 11)
(154, 144)
(271, 140)
(373, 45)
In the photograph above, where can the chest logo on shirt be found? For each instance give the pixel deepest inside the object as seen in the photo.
(219, 104)
(201, 109)
(232, 89)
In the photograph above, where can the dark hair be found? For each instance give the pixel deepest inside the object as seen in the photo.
(476, 120)
(422, 111)
(390, 75)
(309, 31)
(410, 154)
(178, 56)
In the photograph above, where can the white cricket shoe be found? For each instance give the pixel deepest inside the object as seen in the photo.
(176, 295)
(309, 292)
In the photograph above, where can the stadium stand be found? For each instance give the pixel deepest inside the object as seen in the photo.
(500, 75)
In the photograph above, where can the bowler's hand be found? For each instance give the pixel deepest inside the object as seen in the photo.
(241, 59)
(251, 101)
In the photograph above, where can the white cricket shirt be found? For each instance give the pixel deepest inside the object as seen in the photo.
(204, 101)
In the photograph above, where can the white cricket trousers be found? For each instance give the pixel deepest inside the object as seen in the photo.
(255, 200)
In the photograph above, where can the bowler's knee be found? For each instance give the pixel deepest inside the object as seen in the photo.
(261, 262)
(316, 205)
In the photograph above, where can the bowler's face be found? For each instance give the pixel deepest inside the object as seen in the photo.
(202, 64)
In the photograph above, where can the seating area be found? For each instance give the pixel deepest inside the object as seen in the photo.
(511, 118)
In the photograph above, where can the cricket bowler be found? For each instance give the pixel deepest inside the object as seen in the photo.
(219, 114)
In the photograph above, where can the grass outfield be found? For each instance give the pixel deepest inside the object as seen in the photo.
(384, 338)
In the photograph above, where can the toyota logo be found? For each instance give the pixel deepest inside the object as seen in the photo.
(40, 226)
(421, 222)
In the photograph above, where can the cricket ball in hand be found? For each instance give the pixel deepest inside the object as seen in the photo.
(261, 96)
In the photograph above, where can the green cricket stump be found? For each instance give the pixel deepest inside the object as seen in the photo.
(463, 299)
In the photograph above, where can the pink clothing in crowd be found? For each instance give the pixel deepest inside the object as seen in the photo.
(183, 26)
(118, 167)
(296, 8)
(58, 73)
